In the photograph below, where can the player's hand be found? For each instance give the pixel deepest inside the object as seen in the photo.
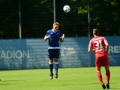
(48, 36)
(63, 36)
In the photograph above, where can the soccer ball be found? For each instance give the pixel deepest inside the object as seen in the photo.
(66, 8)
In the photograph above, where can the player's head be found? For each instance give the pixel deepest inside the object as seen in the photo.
(55, 26)
(95, 32)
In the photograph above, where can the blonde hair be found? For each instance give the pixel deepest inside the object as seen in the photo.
(55, 23)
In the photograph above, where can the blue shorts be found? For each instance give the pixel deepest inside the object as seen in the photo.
(53, 53)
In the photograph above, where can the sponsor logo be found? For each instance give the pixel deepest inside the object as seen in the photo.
(114, 49)
(14, 54)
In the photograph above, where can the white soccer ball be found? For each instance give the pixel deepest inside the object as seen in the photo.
(66, 8)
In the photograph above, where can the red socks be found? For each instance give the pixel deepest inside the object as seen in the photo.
(107, 76)
(100, 76)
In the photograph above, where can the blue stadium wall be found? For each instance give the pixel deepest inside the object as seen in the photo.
(32, 53)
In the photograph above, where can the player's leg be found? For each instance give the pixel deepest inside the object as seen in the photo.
(106, 65)
(51, 67)
(56, 64)
(107, 76)
(99, 75)
(98, 63)
(50, 55)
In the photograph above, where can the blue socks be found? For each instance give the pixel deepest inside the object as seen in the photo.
(56, 67)
(51, 68)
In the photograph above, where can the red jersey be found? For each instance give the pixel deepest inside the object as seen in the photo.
(98, 43)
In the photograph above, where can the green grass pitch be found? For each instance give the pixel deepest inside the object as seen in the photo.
(69, 79)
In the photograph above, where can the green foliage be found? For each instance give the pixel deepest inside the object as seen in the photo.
(38, 16)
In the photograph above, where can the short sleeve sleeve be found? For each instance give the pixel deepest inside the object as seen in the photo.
(47, 33)
(60, 34)
(104, 39)
(90, 44)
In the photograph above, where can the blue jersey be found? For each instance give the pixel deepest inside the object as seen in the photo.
(54, 39)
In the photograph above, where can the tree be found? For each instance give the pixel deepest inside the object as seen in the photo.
(37, 17)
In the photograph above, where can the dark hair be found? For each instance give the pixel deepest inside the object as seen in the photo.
(95, 31)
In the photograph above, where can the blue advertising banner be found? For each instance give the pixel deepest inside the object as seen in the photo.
(32, 53)
(114, 50)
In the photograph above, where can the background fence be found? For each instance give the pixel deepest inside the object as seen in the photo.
(32, 53)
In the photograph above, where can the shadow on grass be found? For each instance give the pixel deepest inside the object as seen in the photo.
(4, 84)
(11, 80)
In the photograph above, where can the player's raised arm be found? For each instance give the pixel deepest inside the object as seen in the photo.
(46, 38)
(62, 38)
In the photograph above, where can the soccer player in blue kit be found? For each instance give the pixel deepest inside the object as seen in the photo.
(53, 36)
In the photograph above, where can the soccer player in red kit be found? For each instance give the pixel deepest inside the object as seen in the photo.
(100, 47)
